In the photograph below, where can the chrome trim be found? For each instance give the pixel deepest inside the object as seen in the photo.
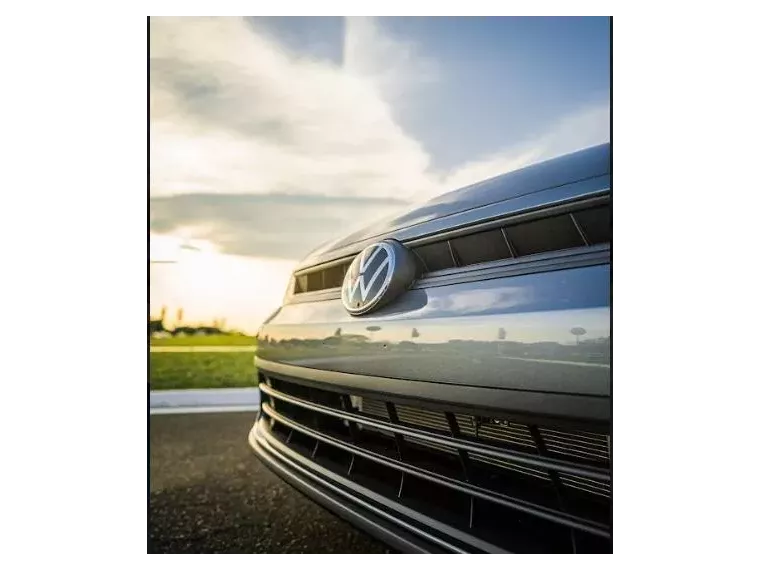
(451, 253)
(364, 520)
(579, 229)
(459, 444)
(536, 510)
(527, 215)
(552, 261)
(500, 222)
(510, 267)
(334, 482)
(575, 410)
(400, 274)
(509, 243)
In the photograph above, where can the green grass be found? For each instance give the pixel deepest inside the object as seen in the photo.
(212, 340)
(183, 370)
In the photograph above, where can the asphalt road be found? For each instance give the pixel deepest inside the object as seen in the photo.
(209, 493)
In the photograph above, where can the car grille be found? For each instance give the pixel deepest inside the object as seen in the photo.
(581, 445)
(580, 228)
(493, 483)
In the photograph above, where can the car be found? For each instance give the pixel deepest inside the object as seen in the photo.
(441, 379)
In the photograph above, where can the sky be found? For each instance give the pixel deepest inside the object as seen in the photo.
(270, 136)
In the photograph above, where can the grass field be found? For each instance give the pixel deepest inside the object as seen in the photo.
(184, 370)
(213, 340)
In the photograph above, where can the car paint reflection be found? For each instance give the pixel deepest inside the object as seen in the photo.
(541, 332)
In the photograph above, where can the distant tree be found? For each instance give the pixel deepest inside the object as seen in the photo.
(502, 334)
(338, 331)
(184, 331)
(155, 326)
(357, 338)
(415, 333)
(578, 332)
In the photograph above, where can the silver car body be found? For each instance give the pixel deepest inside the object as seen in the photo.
(525, 337)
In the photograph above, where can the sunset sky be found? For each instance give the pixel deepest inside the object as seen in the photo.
(271, 135)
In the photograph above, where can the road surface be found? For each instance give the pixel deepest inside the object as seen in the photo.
(209, 493)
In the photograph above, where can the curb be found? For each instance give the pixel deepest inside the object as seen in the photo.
(204, 401)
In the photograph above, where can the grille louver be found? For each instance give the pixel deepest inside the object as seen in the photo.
(568, 444)
(577, 229)
(501, 485)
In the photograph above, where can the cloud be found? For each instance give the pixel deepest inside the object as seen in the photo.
(270, 225)
(482, 300)
(394, 67)
(266, 152)
(232, 112)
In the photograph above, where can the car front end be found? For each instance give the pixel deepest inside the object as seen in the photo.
(442, 379)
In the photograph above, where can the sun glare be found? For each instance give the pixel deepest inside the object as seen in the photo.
(194, 276)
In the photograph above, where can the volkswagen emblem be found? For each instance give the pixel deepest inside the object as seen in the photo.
(377, 275)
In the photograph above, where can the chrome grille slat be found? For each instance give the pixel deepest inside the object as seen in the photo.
(420, 417)
(582, 481)
(510, 465)
(374, 407)
(465, 424)
(576, 444)
(505, 434)
(513, 429)
(498, 465)
(579, 435)
(587, 525)
(586, 489)
(476, 447)
(542, 474)
(587, 485)
(437, 446)
(506, 439)
(576, 452)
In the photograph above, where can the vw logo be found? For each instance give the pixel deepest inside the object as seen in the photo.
(377, 275)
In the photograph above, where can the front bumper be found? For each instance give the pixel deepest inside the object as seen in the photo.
(410, 470)
(339, 499)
